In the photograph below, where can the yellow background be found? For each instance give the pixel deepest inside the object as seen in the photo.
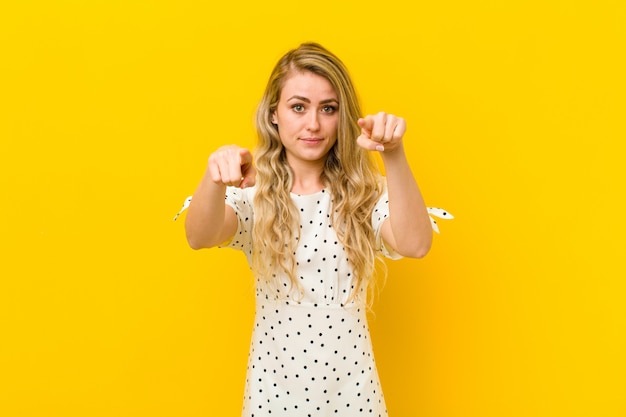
(109, 110)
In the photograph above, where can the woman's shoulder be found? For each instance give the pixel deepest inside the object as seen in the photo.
(240, 198)
(241, 193)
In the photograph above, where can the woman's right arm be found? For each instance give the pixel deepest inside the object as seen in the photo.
(209, 220)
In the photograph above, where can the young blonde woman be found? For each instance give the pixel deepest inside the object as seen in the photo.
(312, 214)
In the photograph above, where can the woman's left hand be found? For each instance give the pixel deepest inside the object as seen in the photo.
(381, 132)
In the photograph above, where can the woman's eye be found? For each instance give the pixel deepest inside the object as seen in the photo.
(329, 109)
(298, 108)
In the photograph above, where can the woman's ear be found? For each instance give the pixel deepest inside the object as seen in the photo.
(274, 122)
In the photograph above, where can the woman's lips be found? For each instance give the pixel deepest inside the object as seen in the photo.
(311, 141)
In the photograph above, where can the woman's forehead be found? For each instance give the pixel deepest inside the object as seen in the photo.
(307, 84)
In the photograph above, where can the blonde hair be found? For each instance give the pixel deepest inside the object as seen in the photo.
(350, 174)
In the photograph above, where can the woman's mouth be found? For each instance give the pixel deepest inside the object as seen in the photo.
(311, 141)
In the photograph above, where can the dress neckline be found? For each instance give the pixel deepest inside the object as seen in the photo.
(322, 191)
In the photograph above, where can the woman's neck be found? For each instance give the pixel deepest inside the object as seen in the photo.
(304, 188)
(307, 179)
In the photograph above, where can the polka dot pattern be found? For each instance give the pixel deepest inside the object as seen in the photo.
(310, 355)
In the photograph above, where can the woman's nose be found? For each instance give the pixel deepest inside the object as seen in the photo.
(313, 122)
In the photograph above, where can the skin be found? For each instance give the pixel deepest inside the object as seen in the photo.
(307, 120)
(407, 229)
(307, 117)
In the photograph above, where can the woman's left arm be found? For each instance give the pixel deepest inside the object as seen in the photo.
(408, 229)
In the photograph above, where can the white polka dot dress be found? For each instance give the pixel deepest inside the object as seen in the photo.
(310, 356)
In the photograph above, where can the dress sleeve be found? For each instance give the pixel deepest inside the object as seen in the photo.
(379, 215)
(240, 201)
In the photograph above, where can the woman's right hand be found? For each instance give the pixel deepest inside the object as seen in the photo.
(233, 166)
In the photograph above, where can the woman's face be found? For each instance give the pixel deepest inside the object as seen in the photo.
(307, 117)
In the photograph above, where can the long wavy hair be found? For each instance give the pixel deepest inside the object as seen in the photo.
(350, 174)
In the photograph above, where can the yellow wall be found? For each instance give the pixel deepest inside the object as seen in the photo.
(109, 109)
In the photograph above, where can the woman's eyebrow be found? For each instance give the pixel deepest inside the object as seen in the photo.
(306, 100)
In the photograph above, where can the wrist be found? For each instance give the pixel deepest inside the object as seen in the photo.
(393, 154)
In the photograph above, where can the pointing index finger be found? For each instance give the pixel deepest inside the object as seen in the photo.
(366, 123)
